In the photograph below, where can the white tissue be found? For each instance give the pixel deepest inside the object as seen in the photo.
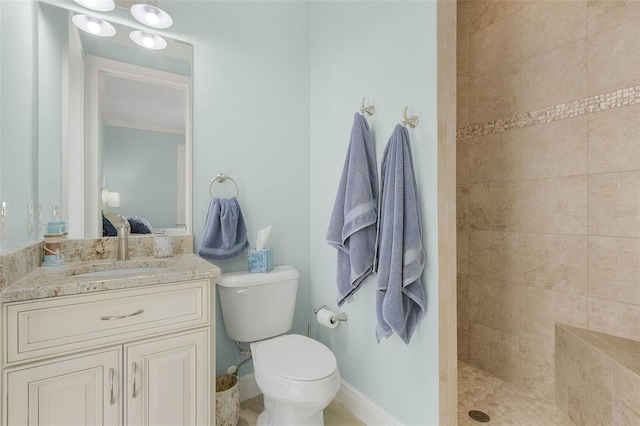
(263, 237)
(327, 318)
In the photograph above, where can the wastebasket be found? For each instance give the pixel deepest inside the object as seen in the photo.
(227, 400)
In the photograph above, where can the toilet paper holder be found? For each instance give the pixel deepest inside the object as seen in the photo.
(342, 316)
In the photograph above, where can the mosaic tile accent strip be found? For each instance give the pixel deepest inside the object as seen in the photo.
(602, 102)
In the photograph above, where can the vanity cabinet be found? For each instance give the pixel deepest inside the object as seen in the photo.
(120, 357)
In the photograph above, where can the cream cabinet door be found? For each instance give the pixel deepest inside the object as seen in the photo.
(80, 390)
(167, 380)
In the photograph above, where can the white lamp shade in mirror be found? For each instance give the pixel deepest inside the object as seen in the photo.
(98, 5)
(148, 40)
(151, 16)
(95, 26)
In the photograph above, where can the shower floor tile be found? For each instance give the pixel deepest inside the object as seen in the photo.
(505, 403)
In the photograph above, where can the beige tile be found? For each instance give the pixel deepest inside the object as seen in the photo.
(494, 351)
(626, 386)
(554, 205)
(462, 296)
(614, 269)
(554, 261)
(483, 13)
(560, 365)
(590, 360)
(618, 319)
(462, 58)
(494, 254)
(588, 402)
(541, 309)
(554, 149)
(462, 252)
(495, 95)
(605, 14)
(494, 304)
(622, 351)
(544, 80)
(506, 403)
(462, 102)
(614, 204)
(463, 23)
(462, 162)
(614, 145)
(494, 206)
(613, 60)
(549, 24)
(495, 46)
(623, 414)
(462, 207)
(494, 157)
(537, 368)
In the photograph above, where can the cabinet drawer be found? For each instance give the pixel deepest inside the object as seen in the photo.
(51, 326)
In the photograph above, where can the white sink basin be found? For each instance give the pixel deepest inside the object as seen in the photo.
(121, 271)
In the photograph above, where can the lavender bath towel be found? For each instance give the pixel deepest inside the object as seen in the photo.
(400, 295)
(352, 227)
(225, 234)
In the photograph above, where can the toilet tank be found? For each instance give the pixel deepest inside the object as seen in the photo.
(258, 306)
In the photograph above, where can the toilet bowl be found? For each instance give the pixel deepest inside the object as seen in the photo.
(298, 377)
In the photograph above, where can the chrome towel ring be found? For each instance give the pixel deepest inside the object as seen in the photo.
(221, 177)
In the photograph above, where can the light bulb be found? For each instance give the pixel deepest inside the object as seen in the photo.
(93, 27)
(147, 40)
(152, 18)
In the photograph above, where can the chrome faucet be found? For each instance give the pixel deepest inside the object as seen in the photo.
(123, 240)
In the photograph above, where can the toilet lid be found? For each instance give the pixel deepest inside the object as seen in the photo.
(295, 357)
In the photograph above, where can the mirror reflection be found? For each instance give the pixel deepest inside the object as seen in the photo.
(133, 134)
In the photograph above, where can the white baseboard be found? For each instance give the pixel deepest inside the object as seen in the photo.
(248, 387)
(355, 401)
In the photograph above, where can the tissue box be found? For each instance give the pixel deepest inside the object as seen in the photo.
(261, 260)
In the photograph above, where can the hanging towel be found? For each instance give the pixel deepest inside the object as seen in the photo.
(352, 227)
(400, 296)
(225, 234)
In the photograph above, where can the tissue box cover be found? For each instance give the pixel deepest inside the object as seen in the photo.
(261, 260)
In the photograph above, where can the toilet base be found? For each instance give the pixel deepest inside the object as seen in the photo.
(278, 414)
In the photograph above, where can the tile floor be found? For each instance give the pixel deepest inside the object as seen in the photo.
(334, 415)
(506, 404)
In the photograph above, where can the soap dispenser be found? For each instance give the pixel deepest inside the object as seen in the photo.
(123, 240)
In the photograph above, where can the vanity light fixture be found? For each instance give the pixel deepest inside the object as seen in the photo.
(98, 5)
(151, 15)
(95, 26)
(148, 40)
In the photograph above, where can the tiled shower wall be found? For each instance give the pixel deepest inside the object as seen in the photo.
(548, 179)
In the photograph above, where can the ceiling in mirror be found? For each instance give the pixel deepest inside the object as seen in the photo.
(142, 105)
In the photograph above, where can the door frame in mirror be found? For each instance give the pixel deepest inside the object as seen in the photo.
(84, 194)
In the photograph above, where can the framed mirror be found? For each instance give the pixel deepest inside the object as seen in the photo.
(126, 145)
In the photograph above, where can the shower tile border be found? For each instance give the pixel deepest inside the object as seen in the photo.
(616, 99)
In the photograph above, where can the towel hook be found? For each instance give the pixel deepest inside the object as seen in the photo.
(411, 121)
(369, 109)
(221, 177)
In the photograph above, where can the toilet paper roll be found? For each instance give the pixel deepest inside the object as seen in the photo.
(324, 317)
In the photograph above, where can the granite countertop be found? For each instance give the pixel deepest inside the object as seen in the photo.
(64, 280)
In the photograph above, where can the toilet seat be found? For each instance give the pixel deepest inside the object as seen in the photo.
(294, 357)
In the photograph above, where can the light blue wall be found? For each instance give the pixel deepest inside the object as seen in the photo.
(385, 51)
(275, 88)
(52, 36)
(18, 116)
(141, 165)
(251, 122)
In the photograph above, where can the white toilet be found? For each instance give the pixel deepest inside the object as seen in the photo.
(298, 376)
